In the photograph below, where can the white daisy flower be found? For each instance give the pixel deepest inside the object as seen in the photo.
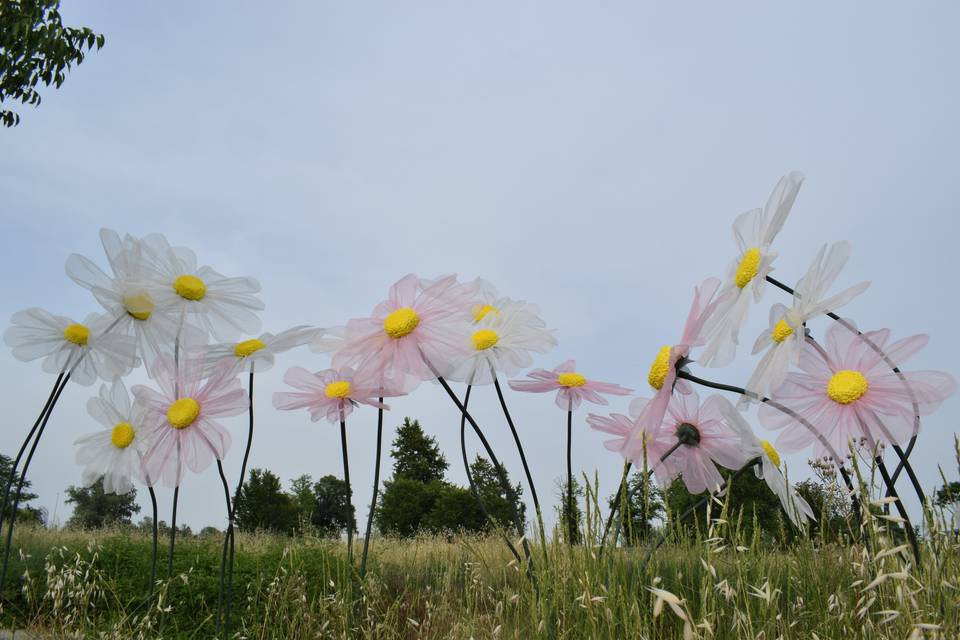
(754, 232)
(114, 452)
(222, 306)
(489, 301)
(87, 350)
(257, 354)
(501, 341)
(784, 339)
(126, 294)
(329, 341)
(798, 510)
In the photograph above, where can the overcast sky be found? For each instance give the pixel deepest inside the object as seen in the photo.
(587, 158)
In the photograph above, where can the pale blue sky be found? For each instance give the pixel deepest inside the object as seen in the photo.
(589, 158)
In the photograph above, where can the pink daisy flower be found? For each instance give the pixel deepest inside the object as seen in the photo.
(572, 388)
(663, 371)
(848, 392)
(412, 332)
(181, 418)
(706, 440)
(623, 427)
(332, 393)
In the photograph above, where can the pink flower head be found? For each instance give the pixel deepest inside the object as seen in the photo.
(412, 332)
(663, 371)
(181, 417)
(706, 441)
(626, 427)
(332, 393)
(572, 388)
(848, 392)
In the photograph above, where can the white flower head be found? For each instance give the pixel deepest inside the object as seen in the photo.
(87, 351)
(798, 510)
(114, 452)
(784, 338)
(501, 340)
(329, 341)
(222, 306)
(258, 354)
(126, 294)
(754, 232)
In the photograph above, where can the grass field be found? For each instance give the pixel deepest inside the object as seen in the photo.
(715, 585)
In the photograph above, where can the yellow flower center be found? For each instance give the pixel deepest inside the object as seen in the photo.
(77, 334)
(781, 331)
(771, 452)
(190, 287)
(247, 347)
(339, 389)
(660, 368)
(122, 435)
(401, 323)
(748, 267)
(847, 386)
(183, 412)
(480, 311)
(571, 379)
(138, 306)
(484, 339)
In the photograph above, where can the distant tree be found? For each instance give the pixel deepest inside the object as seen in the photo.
(948, 495)
(454, 509)
(829, 509)
(416, 455)
(210, 532)
(405, 505)
(501, 505)
(640, 510)
(25, 513)
(560, 493)
(261, 504)
(36, 48)
(324, 504)
(92, 508)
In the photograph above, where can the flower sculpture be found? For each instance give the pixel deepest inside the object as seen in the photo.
(571, 386)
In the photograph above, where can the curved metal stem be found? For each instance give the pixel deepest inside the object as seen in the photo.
(155, 548)
(376, 489)
(571, 520)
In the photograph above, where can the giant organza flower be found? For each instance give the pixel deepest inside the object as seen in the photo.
(225, 307)
(571, 386)
(329, 340)
(332, 393)
(849, 393)
(705, 441)
(412, 333)
(783, 340)
(114, 452)
(797, 509)
(258, 354)
(754, 232)
(662, 376)
(501, 341)
(182, 417)
(623, 427)
(126, 294)
(486, 301)
(87, 350)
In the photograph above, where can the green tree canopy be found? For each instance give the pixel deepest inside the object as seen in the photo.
(25, 513)
(641, 505)
(416, 455)
(35, 48)
(262, 504)
(92, 508)
(324, 504)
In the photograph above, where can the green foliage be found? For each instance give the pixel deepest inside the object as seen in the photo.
(948, 495)
(642, 505)
(324, 504)
(92, 508)
(575, 513)
(405, 505)
(501, 505)
(415, 455)
(35, 47)
(262, 504)
(830, 506)
(25, 513)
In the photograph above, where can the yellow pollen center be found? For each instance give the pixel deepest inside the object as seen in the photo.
(183, 412)
(190, 287)
(748, 267)
(571, 379)
(771, 452)
(339, 389)
(847, 386)
(484, 339)
(481, 310)
(138, 306)
(122, 435)
(660, 368)
(247, 347)
(77, 334)
(401, 323)
(781, 331)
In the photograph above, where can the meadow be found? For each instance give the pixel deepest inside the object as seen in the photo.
(714, 583)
